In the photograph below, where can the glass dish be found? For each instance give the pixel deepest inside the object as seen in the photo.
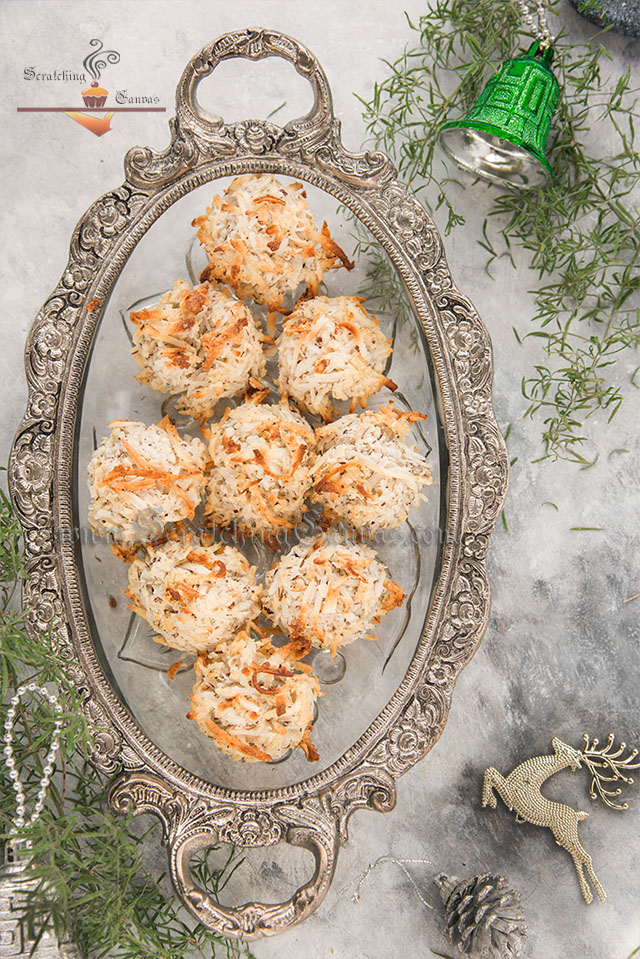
(364, 676)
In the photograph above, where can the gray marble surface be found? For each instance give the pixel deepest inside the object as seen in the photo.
(561, 653)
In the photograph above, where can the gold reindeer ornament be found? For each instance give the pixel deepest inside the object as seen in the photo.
(520, 791)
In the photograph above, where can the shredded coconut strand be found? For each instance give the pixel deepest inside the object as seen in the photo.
(201, 343)
(197, 597)
(261, 239)
(367, 475)
(143, 477)
(327, 591)
(260, 473)
(332, 347)
(254, 701)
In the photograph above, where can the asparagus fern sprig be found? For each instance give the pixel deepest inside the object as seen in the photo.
(579, 233)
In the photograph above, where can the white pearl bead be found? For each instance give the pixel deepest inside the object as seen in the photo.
(19, 819)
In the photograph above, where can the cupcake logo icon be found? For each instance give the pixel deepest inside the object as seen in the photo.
(94, 63)
(95, 95)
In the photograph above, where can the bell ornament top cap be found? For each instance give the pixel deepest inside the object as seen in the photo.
(503, 137)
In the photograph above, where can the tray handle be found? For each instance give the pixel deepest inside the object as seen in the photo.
(193, 824)
(255, 919)
(255, 44)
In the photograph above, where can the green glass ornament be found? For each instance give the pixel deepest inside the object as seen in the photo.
(504, 135)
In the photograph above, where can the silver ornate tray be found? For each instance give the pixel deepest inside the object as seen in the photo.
(386, 703)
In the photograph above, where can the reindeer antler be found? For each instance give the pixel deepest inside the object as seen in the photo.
(604, 760)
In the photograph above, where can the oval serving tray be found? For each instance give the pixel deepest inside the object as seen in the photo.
(80, 376)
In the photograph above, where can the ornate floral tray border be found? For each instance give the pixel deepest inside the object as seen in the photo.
(314, 813)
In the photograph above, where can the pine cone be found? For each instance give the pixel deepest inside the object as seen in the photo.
(484, 917)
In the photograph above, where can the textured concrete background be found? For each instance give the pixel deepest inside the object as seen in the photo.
(561, 653)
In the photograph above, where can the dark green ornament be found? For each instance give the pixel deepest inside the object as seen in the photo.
(503, 137)
(620, 16)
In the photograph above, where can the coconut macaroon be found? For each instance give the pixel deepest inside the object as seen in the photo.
(261, 239)
(260, 472)
(196, 596)
(332, 347)
(327, 592)
(367, 475)
(142, 478)
(201, 343)
(256, 702)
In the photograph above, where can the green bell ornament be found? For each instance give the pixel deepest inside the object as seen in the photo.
(503, 137)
